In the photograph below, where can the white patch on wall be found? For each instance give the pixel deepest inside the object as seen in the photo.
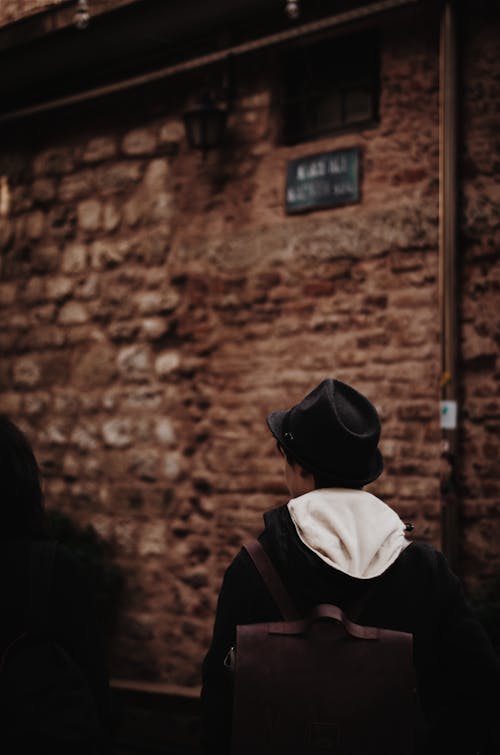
(4, 196)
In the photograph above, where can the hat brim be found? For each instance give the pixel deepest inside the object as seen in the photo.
(375, 468)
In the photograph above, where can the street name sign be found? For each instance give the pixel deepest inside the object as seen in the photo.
(325, 180)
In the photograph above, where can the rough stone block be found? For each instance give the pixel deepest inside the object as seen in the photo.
(118, 177)
(134, 210)
(143, 397)
(164, 431)
(44, 337)
(166, 363)
(85, 437)
(19, 200)
(63, 221)
(153, 539)
(144, 465)
(89, 288)
(154, 328)
(476, 345)
(19, 321)
(73, 313)
(482, 409)
(117, 433)
(72, 468)
(172, 465)
(6, 233)
(111, 217)
(66, 401)
(96, 367)
(156, 176)
(43, 190)
(10, 403)
(124, 330)
(76, 186)
(9, 344)
(141, 141)
(59, 288)
(55, 433)
(99, 148)
(160, 207)
(156, 302)
(35, 225)
(8, 292)
(54, 161)
(56, 368)
(26, 373)
(134, 363)
(89, 214)
(108, 253)
(42, 314)
(172, 132)
(74, 258)
(153, 248)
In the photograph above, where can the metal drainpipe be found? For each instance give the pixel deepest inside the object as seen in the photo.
(448, 248)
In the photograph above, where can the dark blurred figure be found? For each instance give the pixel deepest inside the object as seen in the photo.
(53, 682)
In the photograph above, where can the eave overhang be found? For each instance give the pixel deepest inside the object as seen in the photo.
(48, 63)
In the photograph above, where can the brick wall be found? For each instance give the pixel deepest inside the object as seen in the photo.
(156, 306)
(480, 322)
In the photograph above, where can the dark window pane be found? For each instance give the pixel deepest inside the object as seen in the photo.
(330, 85)
(358, 106)
(329, 110)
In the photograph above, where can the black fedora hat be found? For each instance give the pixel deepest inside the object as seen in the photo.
(333, 433)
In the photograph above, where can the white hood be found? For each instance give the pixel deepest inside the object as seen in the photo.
(351, 530)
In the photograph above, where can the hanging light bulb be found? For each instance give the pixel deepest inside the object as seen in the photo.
(82, 15)
(292, 9)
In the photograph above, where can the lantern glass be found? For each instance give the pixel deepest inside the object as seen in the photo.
(205, 126)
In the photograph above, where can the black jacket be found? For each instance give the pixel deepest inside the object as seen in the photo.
(73, 622)
(458, 672)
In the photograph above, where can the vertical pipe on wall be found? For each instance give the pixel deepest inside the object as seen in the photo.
(448, 243)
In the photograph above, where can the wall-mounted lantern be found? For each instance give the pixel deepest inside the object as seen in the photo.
(206, 124)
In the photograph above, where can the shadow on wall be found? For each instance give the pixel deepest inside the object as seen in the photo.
(144, 721)
(105, 578)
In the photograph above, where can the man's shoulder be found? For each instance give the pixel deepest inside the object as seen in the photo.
(426, 567)
(425, 554)
(242, 576)
(241, 563)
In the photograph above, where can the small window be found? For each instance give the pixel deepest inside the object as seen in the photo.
(331, 85)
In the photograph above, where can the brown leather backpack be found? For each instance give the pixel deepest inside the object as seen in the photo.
(321, 684)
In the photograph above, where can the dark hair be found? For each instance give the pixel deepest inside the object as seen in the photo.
(22, 498)
(320, 481)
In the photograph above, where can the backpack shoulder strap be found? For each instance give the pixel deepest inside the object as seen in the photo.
(40, 568)
(272, 580)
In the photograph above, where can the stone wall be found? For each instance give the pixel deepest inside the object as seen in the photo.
(156, 306)
(15, 10)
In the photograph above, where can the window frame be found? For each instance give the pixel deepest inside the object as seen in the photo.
(302, 131)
